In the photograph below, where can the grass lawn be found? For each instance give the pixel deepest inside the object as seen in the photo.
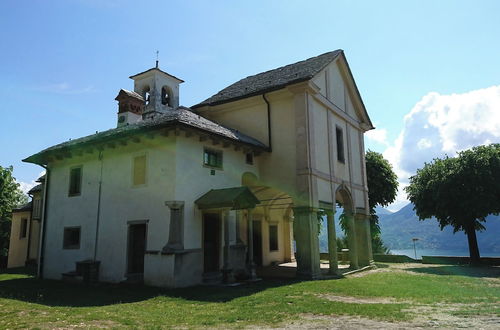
(392, 293)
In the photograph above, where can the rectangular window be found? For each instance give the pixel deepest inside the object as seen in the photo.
(139, 175)
(24, 228)
(212, 158)
(249, 158)
(340, 144)
(71, 238)
(273, 237)
(75, 181)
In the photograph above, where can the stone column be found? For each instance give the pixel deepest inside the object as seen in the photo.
(332, 243)
(176, 227)
(287, 239)
(351, 237)
(251, 264)
(226, 269)
(305, 228)
(238, 227)
(363, 239)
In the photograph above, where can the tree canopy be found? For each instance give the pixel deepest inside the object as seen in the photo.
(460, 191)
(10, 197)
(382, 189)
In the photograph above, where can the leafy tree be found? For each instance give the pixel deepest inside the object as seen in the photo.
(459, 191)
(10, 197)
(382, 190)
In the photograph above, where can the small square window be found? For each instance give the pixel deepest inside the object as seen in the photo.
(71, 238)
(75, 181)
(24, 228)
(139, 171)
(249, 158)
(273, 237)
(340, 144)
(212, 158)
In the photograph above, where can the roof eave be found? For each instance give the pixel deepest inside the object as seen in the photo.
(40, 157)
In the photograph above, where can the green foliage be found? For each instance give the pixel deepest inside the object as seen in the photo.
(10, 197)
(382, 189)
(460, 192)
(342, 243)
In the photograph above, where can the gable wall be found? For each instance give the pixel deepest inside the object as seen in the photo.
(326, 117)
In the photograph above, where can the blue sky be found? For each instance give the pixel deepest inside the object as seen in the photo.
(63, 62)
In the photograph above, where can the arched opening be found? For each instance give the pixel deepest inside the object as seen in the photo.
(146, 94)
(347, 244)
(166, 96)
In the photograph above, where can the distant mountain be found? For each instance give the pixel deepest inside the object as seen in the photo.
(400, 227)
(382, 211)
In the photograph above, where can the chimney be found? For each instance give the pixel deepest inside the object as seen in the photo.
(130, 107)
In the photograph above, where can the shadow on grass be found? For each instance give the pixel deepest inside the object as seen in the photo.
(482, 271)
(379, 265)
(58, 293)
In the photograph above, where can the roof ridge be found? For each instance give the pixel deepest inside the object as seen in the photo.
(291, 64)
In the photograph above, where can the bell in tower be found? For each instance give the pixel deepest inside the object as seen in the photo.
(160, 91)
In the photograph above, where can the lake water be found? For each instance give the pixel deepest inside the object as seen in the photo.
(451, 253)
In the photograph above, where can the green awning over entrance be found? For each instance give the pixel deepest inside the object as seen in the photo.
(235, 198)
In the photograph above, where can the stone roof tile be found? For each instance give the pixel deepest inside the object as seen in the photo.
(272, 80)
(182, 116)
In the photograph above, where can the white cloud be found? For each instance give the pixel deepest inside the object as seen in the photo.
(441, 125)
(26, 186)
(378, 135)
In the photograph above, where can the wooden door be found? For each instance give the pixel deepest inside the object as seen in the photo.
(211, 242)
(136, 248)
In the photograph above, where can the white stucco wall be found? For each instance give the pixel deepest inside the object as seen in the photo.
(121, 202)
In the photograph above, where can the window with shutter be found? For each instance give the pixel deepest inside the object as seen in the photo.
(139, 175)
(75, 181)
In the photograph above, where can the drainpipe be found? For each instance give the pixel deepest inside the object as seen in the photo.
(269, 147)
(41, 246)
(98, 209)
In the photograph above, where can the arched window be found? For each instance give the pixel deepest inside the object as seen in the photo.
(166, 96)
(146, 94)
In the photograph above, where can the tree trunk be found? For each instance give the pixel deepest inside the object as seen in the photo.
(473, 247)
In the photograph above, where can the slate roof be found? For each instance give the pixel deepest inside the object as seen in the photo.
(182, 116)
(36, 188)
(272, 80)
(23, 208)
(168, 74)
(130, 93)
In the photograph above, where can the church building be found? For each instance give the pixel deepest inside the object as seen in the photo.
(176, 196)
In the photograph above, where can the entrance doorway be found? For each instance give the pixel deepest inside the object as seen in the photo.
(211, 242)
(257, 242)
(136, 248)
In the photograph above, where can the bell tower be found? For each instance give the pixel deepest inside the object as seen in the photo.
(159, 89)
